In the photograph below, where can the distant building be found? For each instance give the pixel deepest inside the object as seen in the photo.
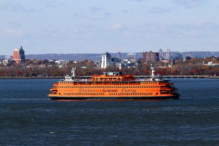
(150, 56)
(119, 55)
(62, 63)
(19, 55)
(187, 58)
(131, 56)
(5, 62)
(108, 61)
(211, 64)
(160, 54)
(167, 54)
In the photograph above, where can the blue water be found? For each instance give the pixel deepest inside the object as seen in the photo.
(28, 117)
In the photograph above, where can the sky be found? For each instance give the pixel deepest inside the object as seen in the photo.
(99, 26)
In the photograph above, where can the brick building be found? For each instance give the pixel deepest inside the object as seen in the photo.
(19, 55)
(150, 56)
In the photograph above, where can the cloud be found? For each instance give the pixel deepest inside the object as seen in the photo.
(51, 5)
(14, 24)
(94, 8)
(51, 33)
(189, 3)
(14, 32)
(160, 10)
(54, 3)
(107, 14)
(192, 33)
(117, 26)
(80, 15)
(198, 29)
(17, 8)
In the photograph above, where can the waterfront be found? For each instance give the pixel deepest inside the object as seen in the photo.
(28, 117)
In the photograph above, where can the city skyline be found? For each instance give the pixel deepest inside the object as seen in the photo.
(92, 26)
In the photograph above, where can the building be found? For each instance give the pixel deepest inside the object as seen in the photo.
(187, 58)
(131, 56)
(19, 55)
(62, 63)
(160, 54)
(167, 54)
(150, 56)
(119, 55)
(211, 64)
(108, 61)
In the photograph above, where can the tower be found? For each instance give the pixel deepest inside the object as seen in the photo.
(19, 55)
(16, 56)
(22, 54)
(106, 60)
(168, 54)
(160, 54)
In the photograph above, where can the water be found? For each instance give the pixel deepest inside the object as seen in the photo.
(28, 117)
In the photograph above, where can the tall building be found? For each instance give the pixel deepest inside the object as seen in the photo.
(119, 55)
(150, 56)
(160, 54)
(167, 54)
(19, 55)
(106, 60)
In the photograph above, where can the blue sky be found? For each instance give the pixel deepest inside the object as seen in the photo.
(98, 26)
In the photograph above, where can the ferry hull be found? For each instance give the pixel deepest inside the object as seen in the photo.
(176, 96)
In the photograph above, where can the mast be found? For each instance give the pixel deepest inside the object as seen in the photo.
(73, 72)
(153, 77)
(152, 72)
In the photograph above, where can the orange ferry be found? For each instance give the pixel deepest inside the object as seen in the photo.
(113, 85)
